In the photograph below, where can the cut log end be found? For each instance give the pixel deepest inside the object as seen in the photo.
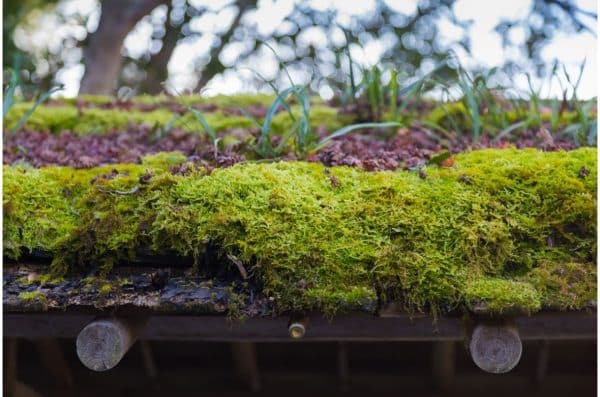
(296, 330)
(297, 326)
(103, 343)
(495, 348)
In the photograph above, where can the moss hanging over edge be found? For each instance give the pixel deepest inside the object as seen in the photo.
(521, 232)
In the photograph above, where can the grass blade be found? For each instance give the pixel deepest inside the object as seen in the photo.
(473, 108)
(42, 98)
(505, 132)
(591, 138)
(272, 111)
(264, 147)
(9, 94)
(202, 121)
(345, 130)
(393, 92)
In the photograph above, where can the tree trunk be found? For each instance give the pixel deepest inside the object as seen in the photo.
(157, 70)
(103, 53)
(215, 66)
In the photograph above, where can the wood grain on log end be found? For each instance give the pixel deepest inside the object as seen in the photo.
(297, 326)
(104, 342)
(495, 348)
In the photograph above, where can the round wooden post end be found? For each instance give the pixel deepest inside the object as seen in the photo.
(495, 348)
(297, 330)
(103, 343)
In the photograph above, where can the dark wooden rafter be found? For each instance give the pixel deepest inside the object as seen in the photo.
(443, 364)
(541, 364)
(54, 360)
(343, 366)
(245, 363)
(10, 366)
(348, 328)
(148, 359)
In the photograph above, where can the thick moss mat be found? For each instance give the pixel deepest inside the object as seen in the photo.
(506, 229)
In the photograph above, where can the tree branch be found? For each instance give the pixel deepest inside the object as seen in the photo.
(157, 69)
(215, 66)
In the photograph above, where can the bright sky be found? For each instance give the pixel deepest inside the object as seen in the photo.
(569, 49)
(486, 44)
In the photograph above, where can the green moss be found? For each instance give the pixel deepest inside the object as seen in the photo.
(448, 114)
(35, 296)
(164, 160)
(40, 279)
(40, 213)
(98, 120)
(30, 295)
(564, 285)
(501, 295)
(325, 116)
(220, 100)
(63, 115)
(434, 244)
(106, 289)
(454, 115)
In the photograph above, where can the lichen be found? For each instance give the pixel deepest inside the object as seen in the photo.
(521, 233)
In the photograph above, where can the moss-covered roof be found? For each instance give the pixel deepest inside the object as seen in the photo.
(504, 229)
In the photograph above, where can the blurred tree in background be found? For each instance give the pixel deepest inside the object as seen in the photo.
(112, 43)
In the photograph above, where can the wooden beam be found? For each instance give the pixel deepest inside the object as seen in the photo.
(351, 327)
(246, 364)
(443, 363)
(495, 348)
(24, 390)
(148, 359)
(343, 368)
(541, 366)
(10, 366)
(54, 360)
(104, 342)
